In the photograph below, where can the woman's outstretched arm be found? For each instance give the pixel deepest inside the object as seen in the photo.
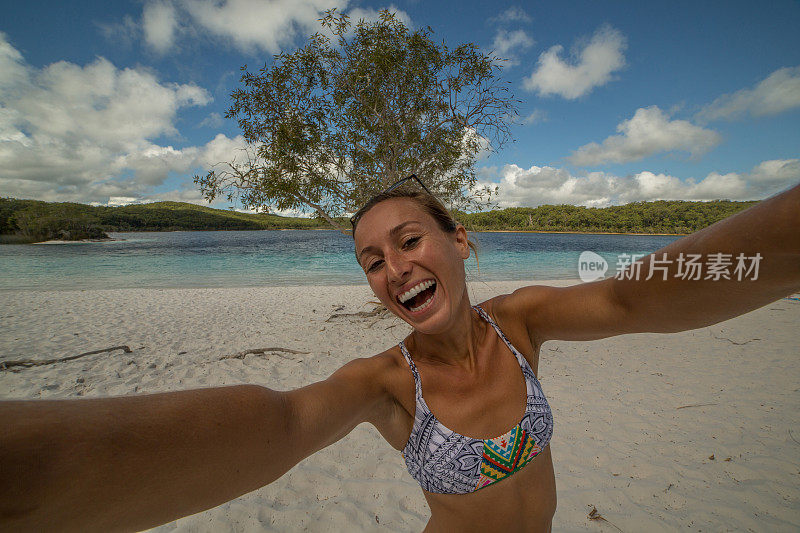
(134, 462)
(670, 301)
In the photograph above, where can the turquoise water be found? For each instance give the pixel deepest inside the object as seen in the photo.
(291, 257)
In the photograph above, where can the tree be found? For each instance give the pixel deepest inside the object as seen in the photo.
(67, 221)
(357, 108)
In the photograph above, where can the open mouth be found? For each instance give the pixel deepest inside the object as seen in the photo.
(419, 297)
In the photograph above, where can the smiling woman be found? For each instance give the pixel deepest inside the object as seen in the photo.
(415, 226)
(449, 396)
(413, 253)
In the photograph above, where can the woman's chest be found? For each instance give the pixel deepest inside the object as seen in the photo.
(481, 404)
(486, 404)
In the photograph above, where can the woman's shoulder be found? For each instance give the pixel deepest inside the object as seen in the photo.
(378, 366)
(523, 298)
(388, 369)
(391, 373)
(502, 308)
(524, 306)
(512, 321)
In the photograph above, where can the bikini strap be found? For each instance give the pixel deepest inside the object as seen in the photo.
(417, 381)
(520, 358)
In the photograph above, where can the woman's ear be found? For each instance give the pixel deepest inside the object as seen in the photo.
(462, 242)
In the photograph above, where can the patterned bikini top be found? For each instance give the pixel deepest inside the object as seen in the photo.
(445, 462)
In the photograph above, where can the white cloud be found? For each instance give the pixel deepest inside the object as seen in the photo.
(188, 193)
(548, 185)
(102, 104)
(13, 72)
(151, 164)
(159, 22)
(85, 133)
(591, 66)
(254, 24)
(775, 174)
(121, 200)
(508, 44)
(221, 148)
(214, 120)
(121, 33)
(535, 117)
(248, 25)
(472, 139)
(778, 92)
(372, 15)
(511, 15)
(648, 132)
(291, 213)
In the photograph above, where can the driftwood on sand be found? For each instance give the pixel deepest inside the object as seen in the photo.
(262, 351)
(27, 363)
(379, 311)
(595, 515)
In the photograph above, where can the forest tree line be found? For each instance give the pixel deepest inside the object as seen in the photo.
(672, 217)
(33, 220)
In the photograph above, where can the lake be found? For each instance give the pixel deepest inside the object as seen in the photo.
(289, 257)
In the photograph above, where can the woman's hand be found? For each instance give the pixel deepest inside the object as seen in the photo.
(667, 302)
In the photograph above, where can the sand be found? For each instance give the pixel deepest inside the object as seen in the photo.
(698, 431)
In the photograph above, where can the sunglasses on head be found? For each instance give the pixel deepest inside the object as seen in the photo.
(391, 187)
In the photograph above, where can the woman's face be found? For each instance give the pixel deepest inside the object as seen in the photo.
(414, 268)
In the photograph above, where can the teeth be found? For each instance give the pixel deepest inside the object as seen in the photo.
(424, 304)
(415, 290)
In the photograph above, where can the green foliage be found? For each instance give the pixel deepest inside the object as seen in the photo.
(171, 216)
(39, 221)
(336, 121)
(30, 220)
(672, 217)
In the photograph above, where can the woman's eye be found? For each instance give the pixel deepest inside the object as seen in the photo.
(411, 242)
(374, 266)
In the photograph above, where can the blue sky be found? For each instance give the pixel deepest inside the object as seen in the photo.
(621, 101)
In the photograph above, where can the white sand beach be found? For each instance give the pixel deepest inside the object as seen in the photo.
(696, 431)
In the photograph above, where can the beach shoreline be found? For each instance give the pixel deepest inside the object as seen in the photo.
(692, 430)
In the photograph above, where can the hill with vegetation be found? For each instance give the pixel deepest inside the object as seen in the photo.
(33, 220)
(669, 217)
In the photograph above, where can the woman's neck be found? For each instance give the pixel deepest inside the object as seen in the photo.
(457, 345)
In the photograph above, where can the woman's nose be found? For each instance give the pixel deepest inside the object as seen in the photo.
(397, 267)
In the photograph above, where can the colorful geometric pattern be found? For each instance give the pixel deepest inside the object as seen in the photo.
(504, 455)
(444, 461)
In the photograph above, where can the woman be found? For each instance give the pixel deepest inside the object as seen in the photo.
(136, 462)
